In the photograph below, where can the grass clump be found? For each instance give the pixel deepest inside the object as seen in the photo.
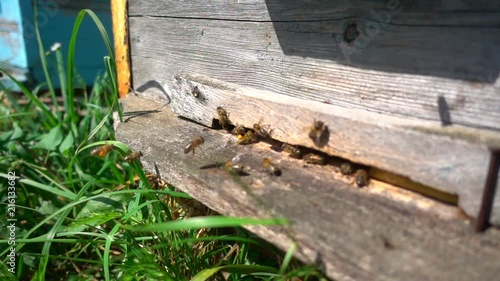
(92, 216)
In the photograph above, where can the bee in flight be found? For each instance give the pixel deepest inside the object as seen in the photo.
(248, 138)
(132, 156)
(319, 133)
(223, 119)
(272, 168)
(361, 177)
(195, 142)
(102, 150)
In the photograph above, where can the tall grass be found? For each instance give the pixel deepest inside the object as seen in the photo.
(81, 217)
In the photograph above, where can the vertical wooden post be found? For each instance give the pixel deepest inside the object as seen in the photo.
(120, 36)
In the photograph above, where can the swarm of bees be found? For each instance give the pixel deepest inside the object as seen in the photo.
(318, 133)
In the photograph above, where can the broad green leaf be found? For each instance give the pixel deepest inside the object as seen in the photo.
(95, 219)
(17, 132)
(51, 140)
(67, 143)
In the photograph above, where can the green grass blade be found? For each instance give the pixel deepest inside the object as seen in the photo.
(48, 188)
(62, 78)
(107, 249)
(204, 222)
(288, 258)
(41, 50)
(238, 269)
(71, 54)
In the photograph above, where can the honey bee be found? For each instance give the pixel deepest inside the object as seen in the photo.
(261, 130)
(223, 119)
(196, 92)
(102, 150)
(361, 177)
(312, 158)
(132, 156)
(239, 130)
(234, 168)
(268, 164)
(248, 138)
(319, 133)
(292, 150)
(346, 168)
(195, 142)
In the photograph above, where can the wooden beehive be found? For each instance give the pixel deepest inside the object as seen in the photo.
(409, 89)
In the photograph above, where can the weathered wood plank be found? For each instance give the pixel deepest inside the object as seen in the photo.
(426, 12)
(455, 161)
(361, 235)
(428, 73)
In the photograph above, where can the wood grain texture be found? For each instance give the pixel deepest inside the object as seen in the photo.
(433, 60)
(454, 161)
(348, 239)
(121, 42)
(424, 12)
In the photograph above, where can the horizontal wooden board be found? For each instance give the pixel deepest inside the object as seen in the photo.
(454, 161)
(349, 233)
(424, 12)
(425, 72)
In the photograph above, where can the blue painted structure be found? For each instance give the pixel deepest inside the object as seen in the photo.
(19, 52)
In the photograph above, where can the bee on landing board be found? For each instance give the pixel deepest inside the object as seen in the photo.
(272, 168)
(102, 150)
(262, 131)
(223, 119)
(196, 92)
(346, 168)
(132, 156)
(239, 130)
(292, 150)
(248, 138)
(235, 168)
(195, 142)
(361, 177)
(312, 158)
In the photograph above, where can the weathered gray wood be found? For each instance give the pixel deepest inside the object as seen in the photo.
(426, 12)
(350, 233)
(452, 160)
(430, 62)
